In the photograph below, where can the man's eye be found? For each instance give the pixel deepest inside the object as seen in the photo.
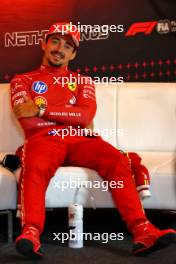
(54, 41)
(68, 46)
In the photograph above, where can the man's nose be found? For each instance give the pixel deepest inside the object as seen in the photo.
(60, 47)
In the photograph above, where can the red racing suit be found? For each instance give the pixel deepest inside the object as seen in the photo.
(71, 104)
(67, 102)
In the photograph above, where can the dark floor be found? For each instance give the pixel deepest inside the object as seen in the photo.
(93, 252)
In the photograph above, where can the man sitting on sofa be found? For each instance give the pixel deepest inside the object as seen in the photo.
(42, 103)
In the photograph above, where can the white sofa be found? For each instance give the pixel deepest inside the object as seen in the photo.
(144, 112)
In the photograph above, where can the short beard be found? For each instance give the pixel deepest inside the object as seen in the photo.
(53, 64)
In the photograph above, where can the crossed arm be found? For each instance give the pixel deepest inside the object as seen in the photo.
(29, 109)
(81, 114)
(26, 109)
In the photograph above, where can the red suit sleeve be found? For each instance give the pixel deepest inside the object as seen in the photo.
(19, 87)
(82, 113)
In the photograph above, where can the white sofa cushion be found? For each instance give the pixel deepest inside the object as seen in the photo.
(11, 135)
(8, 189)
(162, 168)
(147, 114)
(59, 196)
(105, 119)
(64, 188)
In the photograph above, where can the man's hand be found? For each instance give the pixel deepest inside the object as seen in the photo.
(26, 109)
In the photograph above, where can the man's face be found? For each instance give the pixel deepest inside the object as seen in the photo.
(58, 50)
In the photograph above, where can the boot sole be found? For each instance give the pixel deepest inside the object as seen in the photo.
(162, 242)
(25, 248)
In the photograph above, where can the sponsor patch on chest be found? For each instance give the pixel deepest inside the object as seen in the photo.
(40, 100)
(39, 87)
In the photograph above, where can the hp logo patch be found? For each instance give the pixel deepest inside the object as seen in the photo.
(39, 87)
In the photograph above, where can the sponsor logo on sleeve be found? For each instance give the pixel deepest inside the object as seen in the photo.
(19, 94)
(19, 101)
(15, 87)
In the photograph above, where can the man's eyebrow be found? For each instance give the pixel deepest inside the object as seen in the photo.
(54, 37)
(69, 43)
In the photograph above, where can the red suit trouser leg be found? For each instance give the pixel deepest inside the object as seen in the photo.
(42, 155)
(112, 165)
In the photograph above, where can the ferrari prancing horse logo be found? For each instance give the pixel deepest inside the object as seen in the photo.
(72, 86)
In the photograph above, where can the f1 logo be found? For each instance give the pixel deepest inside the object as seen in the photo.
(141, 27)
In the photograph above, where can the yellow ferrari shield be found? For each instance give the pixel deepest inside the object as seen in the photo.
(72, 86)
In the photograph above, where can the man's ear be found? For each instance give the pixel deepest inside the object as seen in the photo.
(43, 45)
(73, 55)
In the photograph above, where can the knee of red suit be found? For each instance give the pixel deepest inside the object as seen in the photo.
(19, 152)
(134, 158)
(138, 169)
(140, 174)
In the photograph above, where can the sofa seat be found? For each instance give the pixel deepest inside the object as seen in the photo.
(143, 116)
(8, 189)
(161, 165)
(64, 188)
(162, 168)
(95, 195)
